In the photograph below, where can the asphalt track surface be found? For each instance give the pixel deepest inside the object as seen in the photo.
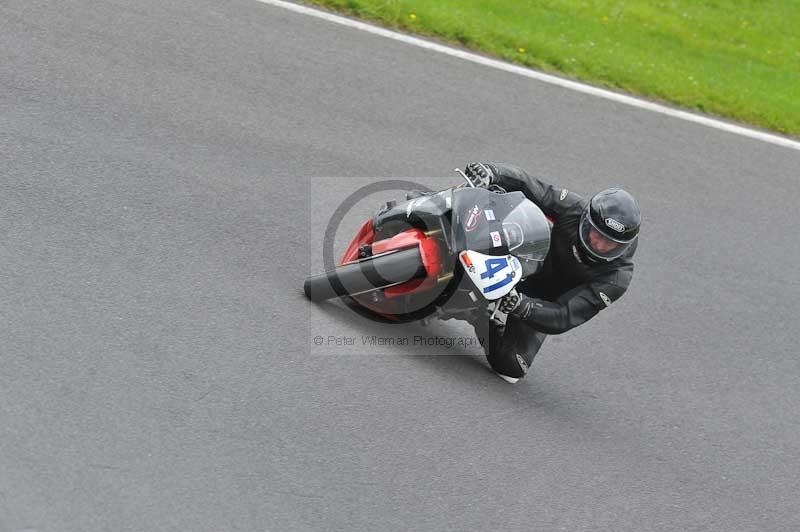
(164, 183)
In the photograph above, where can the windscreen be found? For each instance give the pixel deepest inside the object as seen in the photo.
(527, 234)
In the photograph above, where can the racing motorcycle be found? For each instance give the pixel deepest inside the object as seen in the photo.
(452, 253)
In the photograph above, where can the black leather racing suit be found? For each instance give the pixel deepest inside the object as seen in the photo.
(569, 290)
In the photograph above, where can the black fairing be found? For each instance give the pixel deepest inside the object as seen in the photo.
(450, 211)
(426, 212)
(479, 237)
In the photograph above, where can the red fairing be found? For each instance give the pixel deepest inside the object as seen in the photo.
(365, 235)
(431, 256)
(429, 251)
(407, 239)
(431, 259)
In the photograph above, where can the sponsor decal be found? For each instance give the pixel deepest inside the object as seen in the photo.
(473, 217)
(496, 240)
(514, 263)
(605, 298)
(489, 215)
(448, 201)
(615, 225)
(563, 195)
(522, 363)
(467, 263)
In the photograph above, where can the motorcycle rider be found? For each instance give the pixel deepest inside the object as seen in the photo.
(589, 266)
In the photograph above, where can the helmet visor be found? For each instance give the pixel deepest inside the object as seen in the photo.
(597, 244)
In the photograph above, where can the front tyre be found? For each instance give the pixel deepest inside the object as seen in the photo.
(368, 274)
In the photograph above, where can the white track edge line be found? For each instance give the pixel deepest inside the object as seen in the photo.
(540, 76)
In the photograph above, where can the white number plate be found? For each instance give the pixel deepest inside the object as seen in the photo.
(494, 276)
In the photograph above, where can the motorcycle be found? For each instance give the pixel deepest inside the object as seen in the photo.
(452, 253)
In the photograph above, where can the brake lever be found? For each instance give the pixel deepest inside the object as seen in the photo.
(496, 308)
(462, 174)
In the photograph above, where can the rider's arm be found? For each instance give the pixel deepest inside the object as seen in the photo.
(573, 308)
(552, 200)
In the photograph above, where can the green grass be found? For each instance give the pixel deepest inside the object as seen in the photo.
(738, 59)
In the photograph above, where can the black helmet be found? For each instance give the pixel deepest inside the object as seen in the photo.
(609, 225)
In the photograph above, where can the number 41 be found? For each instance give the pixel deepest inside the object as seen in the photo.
(494, 266)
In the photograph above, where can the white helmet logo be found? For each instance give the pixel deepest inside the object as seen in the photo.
(615, 225)
(564, 193)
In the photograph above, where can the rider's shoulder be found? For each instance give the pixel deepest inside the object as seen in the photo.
(568, 204)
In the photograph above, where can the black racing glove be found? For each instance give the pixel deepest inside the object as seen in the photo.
(479, 174)
(510, 302)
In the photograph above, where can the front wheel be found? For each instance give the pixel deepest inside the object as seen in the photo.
(354, 278)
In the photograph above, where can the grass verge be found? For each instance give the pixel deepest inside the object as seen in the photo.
(733, 58)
